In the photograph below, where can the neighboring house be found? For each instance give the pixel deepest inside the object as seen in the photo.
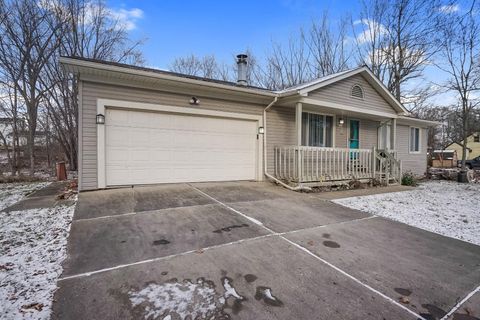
(6, 130)
(146, 126)
(444, 158)
(473, 147)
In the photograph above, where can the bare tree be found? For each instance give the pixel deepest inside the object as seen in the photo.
(88, 30)
(207, 67)
(11, 109)
(320, 50)
(459, 58)
(328, 46)
(26, 46)
(396, 39)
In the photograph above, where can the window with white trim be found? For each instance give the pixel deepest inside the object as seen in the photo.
(414, 139)
(317, 130)
(384, 140)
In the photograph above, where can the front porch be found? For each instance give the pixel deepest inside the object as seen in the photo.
(335, 147)
(319, 166)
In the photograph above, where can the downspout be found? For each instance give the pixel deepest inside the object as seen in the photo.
(265, 171)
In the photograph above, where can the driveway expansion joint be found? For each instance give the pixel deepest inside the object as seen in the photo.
(298, 246)
(142, 212)
(459, 304)
(271, 234)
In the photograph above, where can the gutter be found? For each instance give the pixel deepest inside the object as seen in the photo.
(429, 123)
(265, 172)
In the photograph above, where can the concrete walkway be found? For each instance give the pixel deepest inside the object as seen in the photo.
(43, 198)
(332, 195)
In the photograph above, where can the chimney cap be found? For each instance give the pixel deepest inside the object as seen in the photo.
(242, 57)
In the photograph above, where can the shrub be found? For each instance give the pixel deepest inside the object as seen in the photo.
(409, 179)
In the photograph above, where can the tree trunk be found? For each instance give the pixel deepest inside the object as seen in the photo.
(31, 148)
(464, 133)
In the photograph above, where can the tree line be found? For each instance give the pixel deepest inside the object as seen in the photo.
(402, 41)
(35, 94)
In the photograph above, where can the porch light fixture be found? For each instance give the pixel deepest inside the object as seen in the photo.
(100, 119)
(194, 101)
(261, 130)
(341, 121)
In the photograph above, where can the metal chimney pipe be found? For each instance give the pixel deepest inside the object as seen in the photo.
(242, 69)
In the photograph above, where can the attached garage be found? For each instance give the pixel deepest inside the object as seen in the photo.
(156, 147)
(143, 143)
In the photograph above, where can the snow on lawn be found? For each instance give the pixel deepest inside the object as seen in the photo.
(444, 207)
(11, 193)
(33, 246)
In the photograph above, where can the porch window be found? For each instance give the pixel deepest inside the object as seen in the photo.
(384, 137)
(414, 139)
(317, 130)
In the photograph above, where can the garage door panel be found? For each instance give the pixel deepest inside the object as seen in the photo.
(119, 117)
(117, 137)
(146, 148)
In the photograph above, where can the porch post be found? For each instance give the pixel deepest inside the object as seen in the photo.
(393, 134)
(298, 131)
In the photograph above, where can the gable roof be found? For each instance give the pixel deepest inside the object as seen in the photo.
(307, 87)
(74, 64)
(460, 143)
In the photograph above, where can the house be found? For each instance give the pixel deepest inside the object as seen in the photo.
(444, 158)
(473, 147)
(145, 126)
(7, 133)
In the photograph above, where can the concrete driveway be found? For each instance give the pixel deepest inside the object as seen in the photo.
(255, 251)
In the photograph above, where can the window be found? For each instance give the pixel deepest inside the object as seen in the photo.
(384, 137)
(414, 139)
(357, 92)
(476, 138)
(317, 130)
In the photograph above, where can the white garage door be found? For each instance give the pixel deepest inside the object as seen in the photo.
(152, 147)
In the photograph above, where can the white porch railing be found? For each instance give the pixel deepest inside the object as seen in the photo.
(314, 164)
(388, 167)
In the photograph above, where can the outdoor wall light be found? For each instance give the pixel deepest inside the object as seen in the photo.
(341, 121)
(195, 101)
(261, 130)
(100, 119)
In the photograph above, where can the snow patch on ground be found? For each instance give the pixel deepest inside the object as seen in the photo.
(33, 246)
(11, 193)
(448, 208)
(229, 290)
(185, 300)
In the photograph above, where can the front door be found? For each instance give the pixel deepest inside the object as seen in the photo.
(353, 141)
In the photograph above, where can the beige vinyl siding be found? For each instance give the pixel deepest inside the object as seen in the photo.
(414, 162)
(368, 133)
(93, 91)
(280, 131)
(339, 92)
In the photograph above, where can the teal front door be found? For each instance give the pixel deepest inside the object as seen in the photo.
(353, 141)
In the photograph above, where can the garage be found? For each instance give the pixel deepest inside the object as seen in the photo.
(147, 147)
